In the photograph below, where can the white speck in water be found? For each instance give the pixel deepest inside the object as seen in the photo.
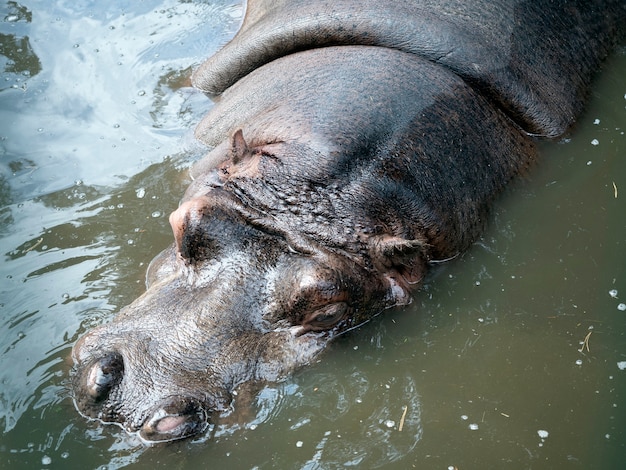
(613, 293)
(355, 348)
(156, 214)
(451, 467)
(579, 362)
(65, 455)
(481, 320)
(141, 192)
(621, 307)
(358, 400)
(621, 365)
(45, 460)
(589, 163)
(464, 417)
(473, 426)
(299, 444)
(66, 296)
(543, 434)
(131, 242)
(141, 93)
(595, 142)
(390, 423)
(607, 436)
(252, 426)
(596, 121)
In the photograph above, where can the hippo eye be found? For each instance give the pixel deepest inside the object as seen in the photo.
(326, 317)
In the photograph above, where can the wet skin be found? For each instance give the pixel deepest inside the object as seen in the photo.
(338, 176)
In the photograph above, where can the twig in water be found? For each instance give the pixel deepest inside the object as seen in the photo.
(405, 408)
(34, 246)
(585, 343)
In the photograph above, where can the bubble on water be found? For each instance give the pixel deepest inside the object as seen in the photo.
(141, 93)
(621, 365)
(116, 126)
(299, 444)
(252, 427)
(141, 192)
(621, 307)
(131, 242)
(156, 214)
(613, 293)
(607, 436)
(589, 163)
(596, 121)
(579, 362)
(595, 142)
(65, 455)
(464, 417)
(66, 295)
(543, 434)
(45, 460)
(473, 426)
(390, 423)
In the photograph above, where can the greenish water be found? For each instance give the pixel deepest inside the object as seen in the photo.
(95, 137)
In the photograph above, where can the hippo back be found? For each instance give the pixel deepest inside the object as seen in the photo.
(533, 59)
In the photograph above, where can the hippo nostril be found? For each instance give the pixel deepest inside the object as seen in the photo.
(180, 418)
(103, 375)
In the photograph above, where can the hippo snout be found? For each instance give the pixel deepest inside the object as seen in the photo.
(109, 387)
(99, 387)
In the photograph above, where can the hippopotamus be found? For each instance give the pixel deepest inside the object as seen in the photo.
(353, 145)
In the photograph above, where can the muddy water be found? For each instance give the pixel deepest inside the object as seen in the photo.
(512, 357)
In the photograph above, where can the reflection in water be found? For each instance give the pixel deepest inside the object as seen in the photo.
(16, 52)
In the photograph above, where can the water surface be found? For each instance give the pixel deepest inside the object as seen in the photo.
(489, 368)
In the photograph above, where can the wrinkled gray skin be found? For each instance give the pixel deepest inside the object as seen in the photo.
(338, 175)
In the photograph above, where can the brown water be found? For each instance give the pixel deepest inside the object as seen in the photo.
(488, 363)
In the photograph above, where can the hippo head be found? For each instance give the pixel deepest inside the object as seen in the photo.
(241, 296)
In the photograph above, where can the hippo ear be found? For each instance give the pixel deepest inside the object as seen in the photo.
(238, 147)
(403, 262)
